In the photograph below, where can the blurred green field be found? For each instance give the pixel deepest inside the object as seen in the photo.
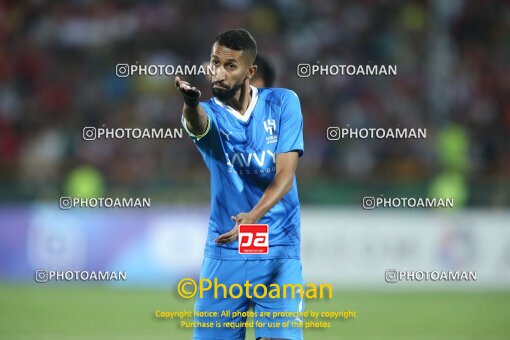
(84, 312)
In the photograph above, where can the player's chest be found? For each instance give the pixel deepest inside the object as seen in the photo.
(254, 135)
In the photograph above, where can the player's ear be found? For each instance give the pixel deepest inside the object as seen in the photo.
(251, 72)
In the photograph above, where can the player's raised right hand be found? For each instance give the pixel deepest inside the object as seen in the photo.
(191, 93)
(196, 118)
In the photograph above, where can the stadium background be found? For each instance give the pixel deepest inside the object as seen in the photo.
(57, 75)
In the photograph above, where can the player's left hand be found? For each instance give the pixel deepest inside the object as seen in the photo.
(241, 218)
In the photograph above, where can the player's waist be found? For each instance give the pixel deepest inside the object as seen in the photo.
(291, 251)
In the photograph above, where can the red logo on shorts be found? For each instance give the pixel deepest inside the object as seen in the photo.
(253, 239)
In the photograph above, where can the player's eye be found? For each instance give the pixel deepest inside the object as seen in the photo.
(231, 66)
(215, 62)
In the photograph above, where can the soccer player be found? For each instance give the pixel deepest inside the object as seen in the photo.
(250, 140)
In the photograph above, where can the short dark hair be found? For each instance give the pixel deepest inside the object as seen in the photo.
(238, 39)
(265, 70)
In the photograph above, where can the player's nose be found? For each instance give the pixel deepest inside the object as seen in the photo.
(219, 74)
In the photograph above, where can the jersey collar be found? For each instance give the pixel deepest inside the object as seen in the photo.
(249, 110)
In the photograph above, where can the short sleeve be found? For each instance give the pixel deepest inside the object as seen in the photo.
(291, 125)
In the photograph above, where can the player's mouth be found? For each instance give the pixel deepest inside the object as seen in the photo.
(218, 86)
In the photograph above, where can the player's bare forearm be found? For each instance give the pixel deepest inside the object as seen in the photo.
(195, 115)
(196, 119)
(286, 164)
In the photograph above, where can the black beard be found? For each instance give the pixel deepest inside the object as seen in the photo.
(224, 95)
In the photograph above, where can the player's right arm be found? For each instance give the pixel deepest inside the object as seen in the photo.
(194, 115)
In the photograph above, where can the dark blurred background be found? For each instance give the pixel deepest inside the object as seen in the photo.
(57, 75)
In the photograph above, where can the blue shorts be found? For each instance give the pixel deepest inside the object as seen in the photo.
(257, 272)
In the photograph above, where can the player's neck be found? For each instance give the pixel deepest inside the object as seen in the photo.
(242, 99)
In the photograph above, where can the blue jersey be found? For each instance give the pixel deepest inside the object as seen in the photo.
(240, 153)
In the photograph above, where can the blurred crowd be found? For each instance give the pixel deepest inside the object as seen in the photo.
(57, 75)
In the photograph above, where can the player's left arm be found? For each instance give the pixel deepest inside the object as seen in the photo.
(286, 164)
